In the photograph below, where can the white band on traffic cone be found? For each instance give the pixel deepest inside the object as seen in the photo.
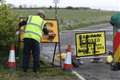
(68, 62)
(68, 58)
(11, 56)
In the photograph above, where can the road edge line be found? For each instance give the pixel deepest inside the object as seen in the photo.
(78, 75)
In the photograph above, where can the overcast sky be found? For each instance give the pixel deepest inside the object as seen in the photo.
(98, 4)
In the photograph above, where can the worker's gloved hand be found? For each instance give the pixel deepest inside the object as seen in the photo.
(17, 32)
(45, 36)
(51, 35)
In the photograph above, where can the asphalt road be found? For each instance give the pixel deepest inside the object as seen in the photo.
(97, 71)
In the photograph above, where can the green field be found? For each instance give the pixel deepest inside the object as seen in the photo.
(72, 18)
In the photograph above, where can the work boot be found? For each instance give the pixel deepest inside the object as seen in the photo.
(24, 70)
(35, 70)
(115, 67)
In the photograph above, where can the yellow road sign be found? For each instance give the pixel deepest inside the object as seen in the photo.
(53, 26)
(90, 44)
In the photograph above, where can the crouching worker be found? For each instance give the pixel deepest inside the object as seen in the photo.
(20, 33)
(34, 29)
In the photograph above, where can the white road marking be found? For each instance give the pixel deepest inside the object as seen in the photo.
(78, 75)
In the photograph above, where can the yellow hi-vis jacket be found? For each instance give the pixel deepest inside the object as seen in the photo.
(34, 28)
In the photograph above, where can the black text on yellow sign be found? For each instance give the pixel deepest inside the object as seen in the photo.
(90, 44)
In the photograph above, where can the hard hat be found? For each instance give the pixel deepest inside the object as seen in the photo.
(21, 18)
(115, 20)
(41, 12)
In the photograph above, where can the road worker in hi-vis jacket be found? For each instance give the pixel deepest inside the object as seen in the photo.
(115, 22)
(35, 28)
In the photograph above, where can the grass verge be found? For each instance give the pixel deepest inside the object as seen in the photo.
(46, 72)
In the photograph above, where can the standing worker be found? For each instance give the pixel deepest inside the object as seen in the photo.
(115, 22)
(34, 28)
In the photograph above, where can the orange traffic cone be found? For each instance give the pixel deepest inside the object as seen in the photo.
(68, 60)
(11, 60)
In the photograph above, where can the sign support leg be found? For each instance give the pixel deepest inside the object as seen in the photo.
(54, 54)
(60, 55)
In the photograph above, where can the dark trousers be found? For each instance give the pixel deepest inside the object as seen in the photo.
(34, 46)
